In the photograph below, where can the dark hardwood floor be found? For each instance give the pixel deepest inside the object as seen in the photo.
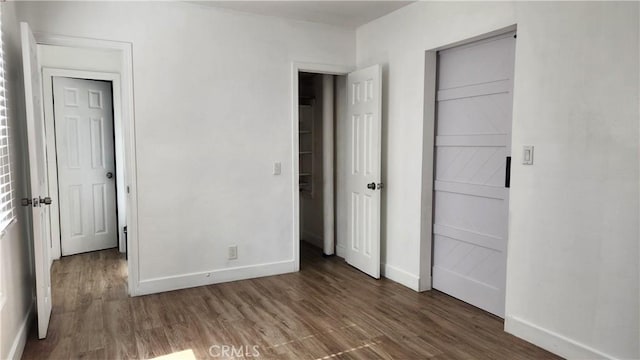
(326, 311)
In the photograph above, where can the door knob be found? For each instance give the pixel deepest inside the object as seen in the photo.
(371, 186)
(46, 201)
(109, 175)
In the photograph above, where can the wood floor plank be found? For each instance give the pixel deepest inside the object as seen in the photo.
(152, 343)
(120, 345)
(327, 310)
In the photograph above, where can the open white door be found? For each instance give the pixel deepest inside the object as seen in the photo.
(38, 178)
(363, 180)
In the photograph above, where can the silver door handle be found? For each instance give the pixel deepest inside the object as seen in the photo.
(109, 175)
(46, 200)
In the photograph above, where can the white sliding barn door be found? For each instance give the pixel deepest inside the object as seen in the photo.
(38, 178)
(473, 141)
(363, 179)
(86, 164)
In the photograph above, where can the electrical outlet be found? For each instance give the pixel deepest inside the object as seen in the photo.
(277, 168)
(233, 252)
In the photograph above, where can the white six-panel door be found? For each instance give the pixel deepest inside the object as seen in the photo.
(38, 184)
(86, 164)
(363, 178)
(473, 141)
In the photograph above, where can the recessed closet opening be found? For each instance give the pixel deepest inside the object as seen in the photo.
(317, 114)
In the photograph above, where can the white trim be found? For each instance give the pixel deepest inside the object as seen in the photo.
(428, 156)
(551, 341)
(479, 39)
(424, 283)
(341, 251)
(318, 68)
(128, 129)
(400, 276)
(49, 118)
(20, 340)
(297, 67)
(328, 240)
(202, 278)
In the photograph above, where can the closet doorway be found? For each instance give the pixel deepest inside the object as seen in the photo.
(316, 118)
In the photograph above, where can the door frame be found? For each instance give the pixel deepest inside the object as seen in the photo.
(52, 164)
(128, 140)
(296, 68)
(428, 153)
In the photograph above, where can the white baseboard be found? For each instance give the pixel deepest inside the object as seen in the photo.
(400, 276)
(169, 283)
(551, 341)
(313, 239)
(20, 340)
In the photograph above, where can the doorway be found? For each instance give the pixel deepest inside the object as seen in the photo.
(85, 158)
(347, 156)
(98, 173)
(472, 170)
(316, 118)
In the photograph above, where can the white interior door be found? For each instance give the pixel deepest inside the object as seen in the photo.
(38, 178)
(363, 180)
(473, 141)
(83, 115)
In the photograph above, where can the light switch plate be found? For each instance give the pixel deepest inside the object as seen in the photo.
(527, 155)
(277, 168)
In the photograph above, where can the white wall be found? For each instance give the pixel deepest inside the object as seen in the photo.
(212, 95)
(16, 250)
(573, 272)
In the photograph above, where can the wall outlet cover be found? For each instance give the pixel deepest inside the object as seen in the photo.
(232, 252)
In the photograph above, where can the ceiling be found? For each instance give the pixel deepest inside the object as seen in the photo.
(349, 14)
